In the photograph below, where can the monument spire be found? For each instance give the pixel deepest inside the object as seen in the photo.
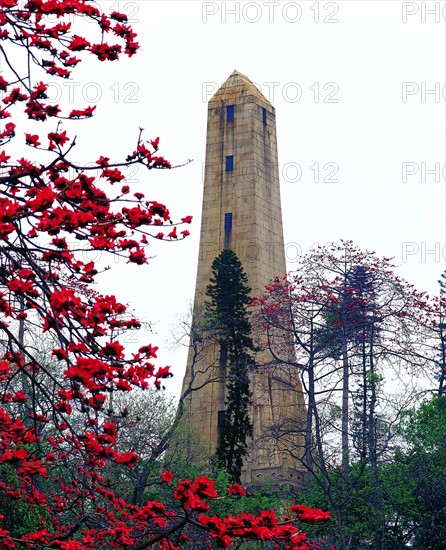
(242, 211)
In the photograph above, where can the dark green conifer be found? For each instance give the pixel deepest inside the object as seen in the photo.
(227, 313)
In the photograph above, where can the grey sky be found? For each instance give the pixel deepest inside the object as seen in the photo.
(351, 83)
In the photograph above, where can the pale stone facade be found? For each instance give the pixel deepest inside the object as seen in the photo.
(242, 211)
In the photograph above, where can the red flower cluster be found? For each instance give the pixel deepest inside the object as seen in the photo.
(310, 515)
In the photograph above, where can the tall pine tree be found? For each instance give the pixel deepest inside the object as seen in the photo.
(351, 330)
(227, 312)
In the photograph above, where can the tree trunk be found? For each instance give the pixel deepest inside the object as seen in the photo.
(364, 401)
(345, 406)
(308, 453)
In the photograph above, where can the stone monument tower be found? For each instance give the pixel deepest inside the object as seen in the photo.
(242, 211)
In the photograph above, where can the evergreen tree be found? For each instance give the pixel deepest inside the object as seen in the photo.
(227, 313)
(350, 331)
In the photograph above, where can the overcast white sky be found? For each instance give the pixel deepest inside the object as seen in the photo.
(349, 80)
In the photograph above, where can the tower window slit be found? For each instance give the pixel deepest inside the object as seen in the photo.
(229, 163)
(230, 113)
(228, 229)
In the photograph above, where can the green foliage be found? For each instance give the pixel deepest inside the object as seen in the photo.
(227, 312)
(426, 430)
(267, 497)
(19, 516)
(188, 454)
(352, 494)
(424, 466)
(411, 490)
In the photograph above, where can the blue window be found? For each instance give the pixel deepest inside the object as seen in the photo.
(264, 116)
(229, 163)
(230, 113)
(228, 220)
(228, 229)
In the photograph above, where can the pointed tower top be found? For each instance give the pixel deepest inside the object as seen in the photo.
(238, 85)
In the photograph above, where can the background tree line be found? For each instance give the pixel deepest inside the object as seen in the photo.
(370, 350)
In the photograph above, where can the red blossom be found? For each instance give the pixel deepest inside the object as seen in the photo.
(3, 84)
(118, 16)
(236, 489)
(204, 487)
(57, 138)
(82, 113)
(129, 459)
(113, 349)
(103, 161)
(32, 140)
(160, 162)
(138, 257)
(149, 350)
(167, 476)
(4, 157)
(112, 175)
(78, 43)
(20, 397)
(39, 91)
(155, 142)
(9, 130)
(106, 52)
(15, 95)
(310, 515)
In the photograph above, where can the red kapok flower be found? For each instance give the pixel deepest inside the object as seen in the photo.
(236, 489)
(167, 476)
